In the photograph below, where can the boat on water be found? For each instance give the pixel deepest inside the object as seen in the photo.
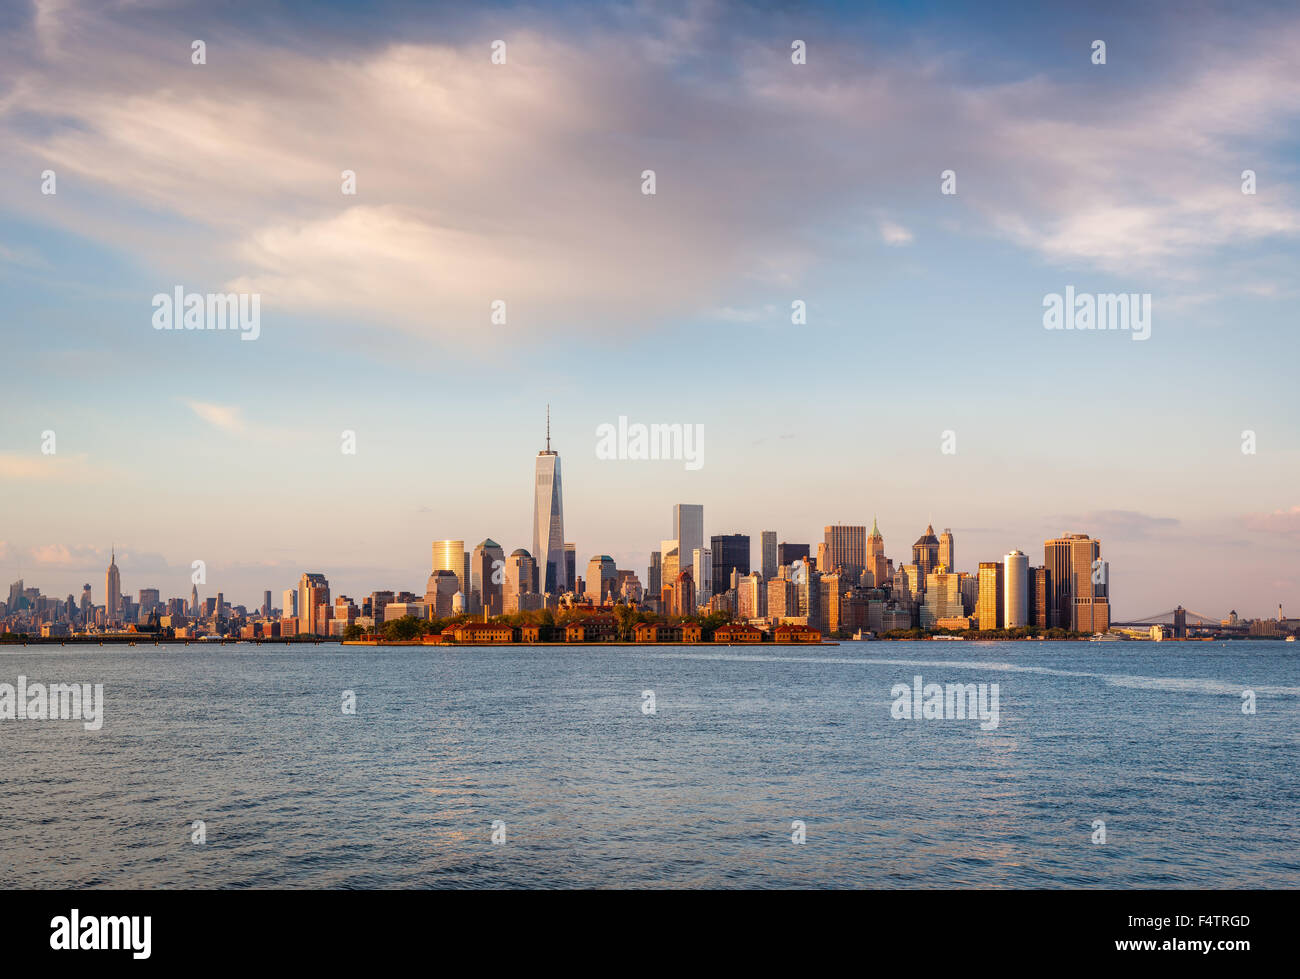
(1104, 637)
(949, 638)
(863, 635)
(1290, 639)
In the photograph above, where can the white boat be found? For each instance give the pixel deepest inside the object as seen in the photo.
(950, 638)
(1104, 637)
(1290, 638)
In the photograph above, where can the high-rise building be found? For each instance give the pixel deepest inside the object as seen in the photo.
(992, 595)
(487, 576)
(654, 576)
(112, 590)
(518, 585)
(1016, 577)
(441, 591)
(767, 546)
(730, 552)
(1040, 597)
(925, 553)
(945, 550)
(683, 594)
(942, 598)
(702, 571)
(670, 565)
(289, 598)
(846, 551)
(571, 564)
(877, 564)
(548, 521)
(449, 555)
(313, 591)
(790, 553)
(688, 529)
(751, 596)
(601, 578)
(1080, 591)
(782, 600)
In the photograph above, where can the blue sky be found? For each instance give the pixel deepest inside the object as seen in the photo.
(775, 182)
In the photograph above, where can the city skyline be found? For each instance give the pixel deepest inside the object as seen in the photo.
(922, 310)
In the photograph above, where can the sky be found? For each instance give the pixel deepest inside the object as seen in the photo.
(522, 182)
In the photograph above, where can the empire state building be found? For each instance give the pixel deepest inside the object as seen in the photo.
(548, 521)
(113, 590)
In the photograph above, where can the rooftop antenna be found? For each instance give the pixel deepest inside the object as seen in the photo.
(548, 428)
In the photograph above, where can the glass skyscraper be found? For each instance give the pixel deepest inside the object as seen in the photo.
(548, 521)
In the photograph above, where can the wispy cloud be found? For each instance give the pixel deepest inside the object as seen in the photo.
(1285, 521)
(227, 418)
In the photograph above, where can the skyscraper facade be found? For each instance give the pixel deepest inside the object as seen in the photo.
(688, 529)
(767, 540)
(925, 552)
(313, 592)
(702, 568)
(548, 520)
(730, 553)
(449, 555)
(877, 564)
(945, 550)
(486, 576)
(1016, 587)
(601, 578)
(113, 590)
(846, 551)
(787, 553)
(1080, 592)
(992, 595)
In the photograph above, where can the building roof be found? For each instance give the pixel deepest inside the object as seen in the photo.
(927, 538)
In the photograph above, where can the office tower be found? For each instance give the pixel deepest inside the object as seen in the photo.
(925, 553)
(654, 576)
(730, 552)
(821, 556)
(87, 605)
(1180, 623)
(289, 608)
(1040, 597)
(518, 585)
(441, 590)
(683, 594)
(16, 596)
(787, 554)
(486, 575)
(670, 563)
(113, 590)
(876, 561)
(945, 550)
(266, 604)
(313, 591)
(150, 599)
(601, 576)
(970, 593)
(992, 595)
(449, 555)
(942, 598)
(221, 604)
(830, 595)
(750, 596)
(846, 551)
(688, 529)
(702, 571)
(194, 600)
(548, 521)
(571, 565)
(781, 598)
(767, 546)
(1016, 577)
(1077, 601)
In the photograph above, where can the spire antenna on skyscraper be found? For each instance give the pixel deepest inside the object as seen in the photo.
(548, 428)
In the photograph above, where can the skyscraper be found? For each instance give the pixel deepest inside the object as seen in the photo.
(486, 576)
(787, 554)
(571, 563)
(688, 530)
(670, 565)
(992, 595)
(518, 586)
(702, 568)
(877, 564)
(1016, 585)
(945, 550)
(846, 550)
(548, 520)
(112, 590)
(767, 545)
(601, 576)
(730, 552)
(1080, 593)
(313, 591)
(449, 555)
(925, 552)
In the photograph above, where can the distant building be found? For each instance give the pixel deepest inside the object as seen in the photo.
(519, 577)
(767, 539)
(1015, 613)
(787, 553)
(313, 592)
(112, 590)
(548, 521)
(992, 577)
(688, 530)
(730, 553)
(925, 553)
(702, 569)
(845, 550)
(601, 579)
(487, 577)
(945, 550)
(449, 555)
(877, 564)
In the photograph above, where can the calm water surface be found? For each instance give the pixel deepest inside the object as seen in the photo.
(595, 793)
